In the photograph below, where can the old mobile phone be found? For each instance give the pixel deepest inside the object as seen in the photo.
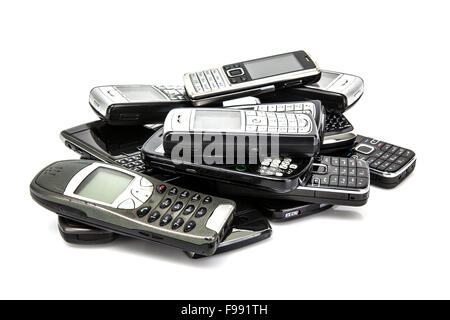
(335, 129)
(334, 180)
(284, 210)
(248, 226)
(337, 91)
(110, 144)
(136, 104)
(251, 77)
(273, 174)
(133, 204)
(389, 164)
(188, 129)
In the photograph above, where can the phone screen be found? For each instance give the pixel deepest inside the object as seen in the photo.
(141, 93)
(272, 66)
(207, 120)
(104, 184)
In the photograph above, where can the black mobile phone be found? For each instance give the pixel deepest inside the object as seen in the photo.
(111, 144)
(337, 91)
(130, 203)
(136, 104)
(284, 210)
(389, 164)
(334, 180)
(250, 77)
(273, 174)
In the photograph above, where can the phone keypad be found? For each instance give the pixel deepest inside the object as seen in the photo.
(207, 80)
(173, 92)
(381, 155)
(132, 162)
(176, 210)
(277, 122)
(278, 167)
(297, 107)
(337, 172)
(336, 123)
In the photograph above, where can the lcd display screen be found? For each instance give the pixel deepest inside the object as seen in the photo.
(273, 66)
(141, 93)
(207, 120)
(104, 184)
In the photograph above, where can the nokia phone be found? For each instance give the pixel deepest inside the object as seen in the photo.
(277, 175)
(248, 226)
(111, 144)
(133, 204)
(251, 77)
(239, 133)
(389, 164)
(337, 91)
(333, 180)
(136, 104)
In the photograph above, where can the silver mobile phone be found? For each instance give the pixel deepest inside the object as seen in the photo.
(337, 91)
(136, 104)
(188, 129)
(250, 77)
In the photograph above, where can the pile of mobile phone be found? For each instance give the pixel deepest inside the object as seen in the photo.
(204, 166)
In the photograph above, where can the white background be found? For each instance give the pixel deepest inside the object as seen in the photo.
(397, 246)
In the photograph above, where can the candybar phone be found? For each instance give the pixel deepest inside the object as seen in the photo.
(285, 210)
(248, 227)
(251, 77)
(133, 204)
(337, 91)
(334, 180)
(136, 104)
(242, 132)
(335, 129)
(273, 174)
(111, 144)
(389, 164)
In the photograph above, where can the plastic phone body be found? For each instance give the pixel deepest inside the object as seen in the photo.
(241, 132)
(337, 91)
(281, 176)
(136, 104)
(130, 203)
(251, 77)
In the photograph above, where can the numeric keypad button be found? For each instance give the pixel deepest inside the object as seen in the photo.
(177, 223)
(165, 203)
(342, 181)
(188, 210)
(153, 216)
(184, 194)
(165, 220)
(207, 199)
(351, 182)
(362, 182)
(189, 226)
(173, 191)
(335, 161)
(362, 173)
(334, 180)
(177, 206)
(200, 212)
